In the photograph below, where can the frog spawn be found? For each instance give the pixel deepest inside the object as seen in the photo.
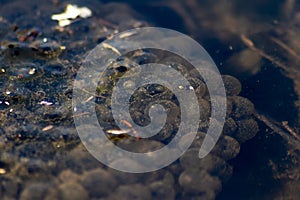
(213, 170)
(196, 178)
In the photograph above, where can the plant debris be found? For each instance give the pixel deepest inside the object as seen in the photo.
(71, 13)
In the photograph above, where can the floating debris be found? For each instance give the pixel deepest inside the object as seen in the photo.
(46, 103)
(2, 171)
(126, 34)
(80, 114)
(180, 87)
(72, 12)
(32, 71)
(108, 46)
(30, 35)
(88, 99)
(118, 132)
(47, 128)
(130, 126)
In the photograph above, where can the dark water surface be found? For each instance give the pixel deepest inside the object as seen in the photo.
(257, 157)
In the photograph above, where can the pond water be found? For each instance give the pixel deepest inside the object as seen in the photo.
(255, 46)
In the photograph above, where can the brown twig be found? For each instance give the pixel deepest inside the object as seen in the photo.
(286, 47)
(288, 135)
(251, 46)
(80, 114)
(84, 90)
(107, 23)
(290, 130)
(129, 125)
